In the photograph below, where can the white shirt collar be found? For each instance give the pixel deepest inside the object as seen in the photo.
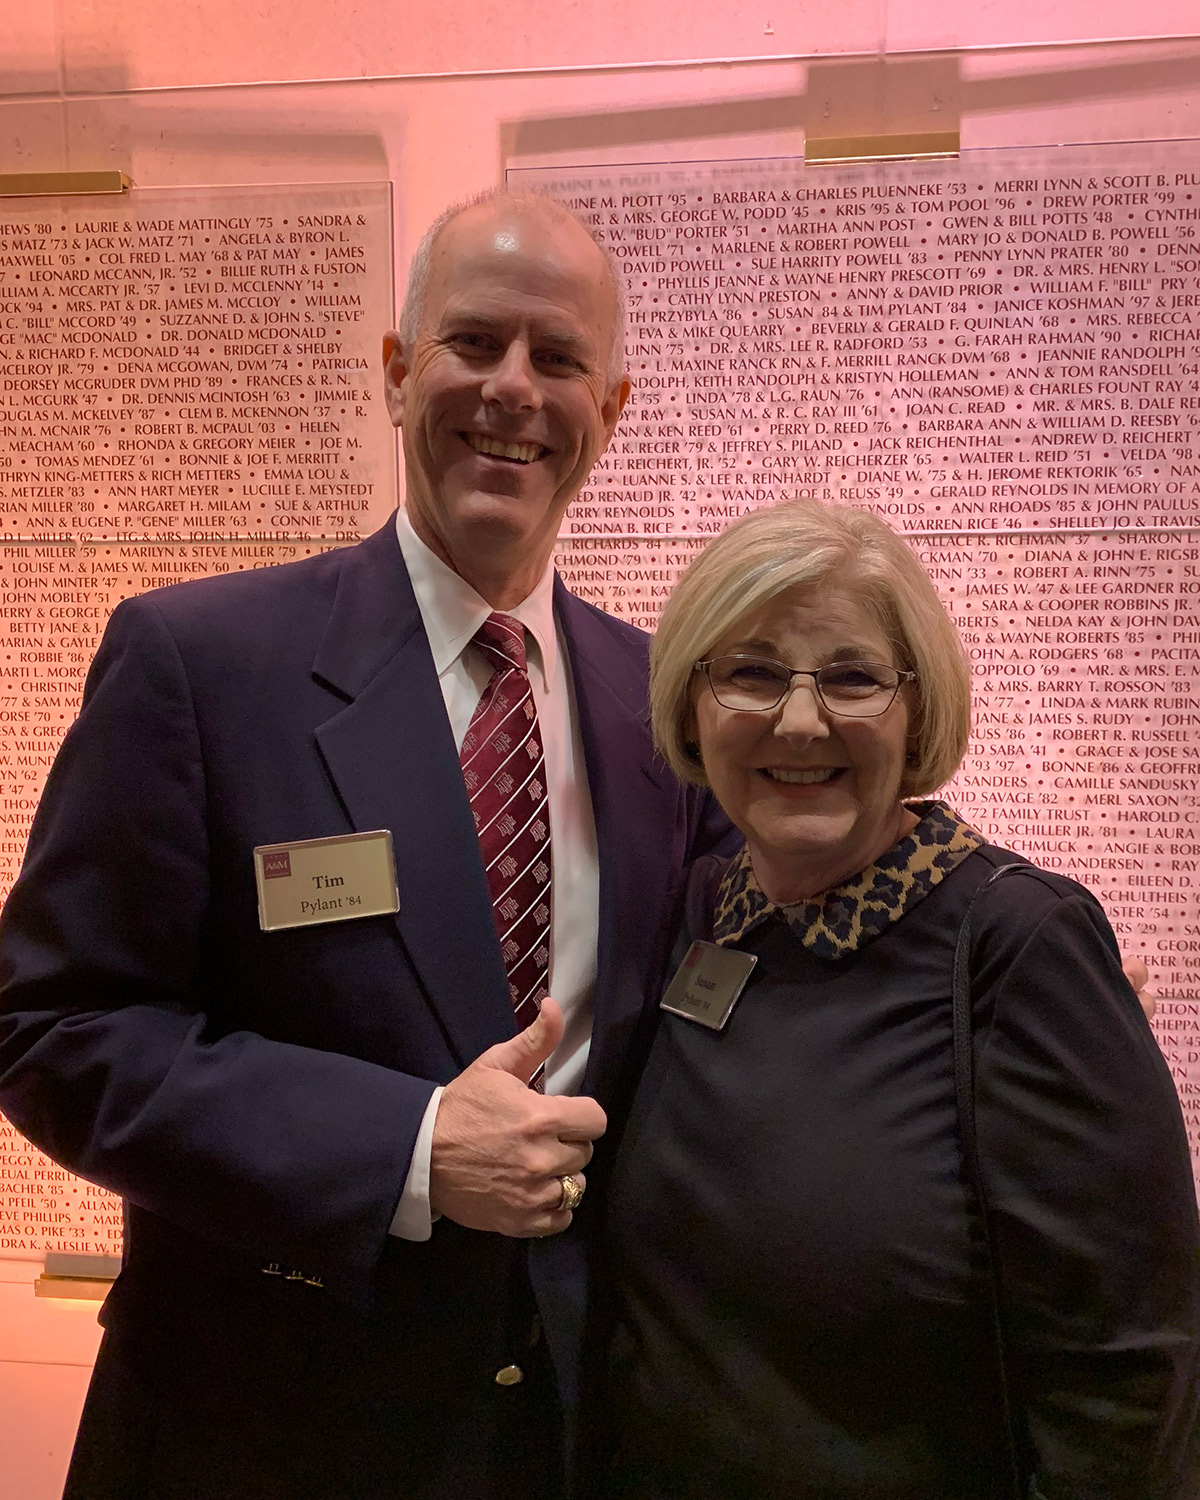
(452, 611)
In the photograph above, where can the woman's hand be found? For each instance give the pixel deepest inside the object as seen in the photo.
(1134, 969)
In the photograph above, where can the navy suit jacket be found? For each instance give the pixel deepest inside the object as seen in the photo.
(255, 1096)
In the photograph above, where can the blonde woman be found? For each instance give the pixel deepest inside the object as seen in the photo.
(809, 1307)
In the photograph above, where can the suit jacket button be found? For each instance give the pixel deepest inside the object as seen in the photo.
(510, 1375)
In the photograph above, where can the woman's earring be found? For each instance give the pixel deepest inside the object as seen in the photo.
(692, 750)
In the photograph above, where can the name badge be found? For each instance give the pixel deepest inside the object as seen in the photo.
(708, 984)
(325, 880)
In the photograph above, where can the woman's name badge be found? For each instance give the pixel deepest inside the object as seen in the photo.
(325, 880)
(708, 984)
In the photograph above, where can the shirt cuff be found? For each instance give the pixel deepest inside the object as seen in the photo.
(413, 1220)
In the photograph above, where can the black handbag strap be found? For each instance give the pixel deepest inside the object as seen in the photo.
(964, 1094)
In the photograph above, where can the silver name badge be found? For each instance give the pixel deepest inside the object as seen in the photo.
(708, 984)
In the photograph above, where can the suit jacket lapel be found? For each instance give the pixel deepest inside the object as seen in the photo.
(392, 757)
(635, 828)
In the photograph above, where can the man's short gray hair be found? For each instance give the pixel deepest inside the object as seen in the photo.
(418, 269)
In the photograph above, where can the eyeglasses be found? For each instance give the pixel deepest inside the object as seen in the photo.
(756, 684)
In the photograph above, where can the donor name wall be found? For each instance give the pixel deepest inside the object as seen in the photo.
(1000, 354)
(189, 384)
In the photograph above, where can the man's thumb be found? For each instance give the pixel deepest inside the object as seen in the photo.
(528, 1050)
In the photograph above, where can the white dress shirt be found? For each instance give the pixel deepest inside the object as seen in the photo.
(452, 612)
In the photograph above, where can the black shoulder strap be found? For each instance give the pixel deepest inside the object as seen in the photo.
(964, 1092)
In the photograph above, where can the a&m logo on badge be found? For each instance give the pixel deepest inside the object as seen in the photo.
(276, 864)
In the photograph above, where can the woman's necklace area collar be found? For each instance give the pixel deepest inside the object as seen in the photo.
(848, 916)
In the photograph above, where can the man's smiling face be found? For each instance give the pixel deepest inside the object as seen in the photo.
(504, 399)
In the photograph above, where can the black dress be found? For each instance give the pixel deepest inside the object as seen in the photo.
(803, 1310)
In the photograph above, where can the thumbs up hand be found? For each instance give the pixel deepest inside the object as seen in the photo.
(522, 1055)
(500, 1150)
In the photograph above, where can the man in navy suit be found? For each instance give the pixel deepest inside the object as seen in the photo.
(349, 1271)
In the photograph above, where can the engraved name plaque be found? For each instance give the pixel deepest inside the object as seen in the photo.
(189, 384)
(1001, 355)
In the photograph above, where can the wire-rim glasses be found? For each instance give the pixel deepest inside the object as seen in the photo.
(757, 684)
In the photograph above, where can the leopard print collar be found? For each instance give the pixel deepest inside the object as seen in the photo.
(849, 916)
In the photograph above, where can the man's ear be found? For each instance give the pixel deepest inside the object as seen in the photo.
(614, 405)
(395, 370)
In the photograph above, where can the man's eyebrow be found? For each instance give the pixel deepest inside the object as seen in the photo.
(572, 343)
(458, 316)
(569, 341)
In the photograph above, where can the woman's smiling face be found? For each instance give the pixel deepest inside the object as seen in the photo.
(816, 794)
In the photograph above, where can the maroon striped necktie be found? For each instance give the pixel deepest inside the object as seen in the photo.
(504, 769)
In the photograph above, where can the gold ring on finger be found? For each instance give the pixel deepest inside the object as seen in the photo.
(572, 1194)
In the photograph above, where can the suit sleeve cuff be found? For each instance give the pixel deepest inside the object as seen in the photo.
(413, 1220)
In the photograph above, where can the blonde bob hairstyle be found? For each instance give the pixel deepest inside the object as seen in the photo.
(805, 545)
